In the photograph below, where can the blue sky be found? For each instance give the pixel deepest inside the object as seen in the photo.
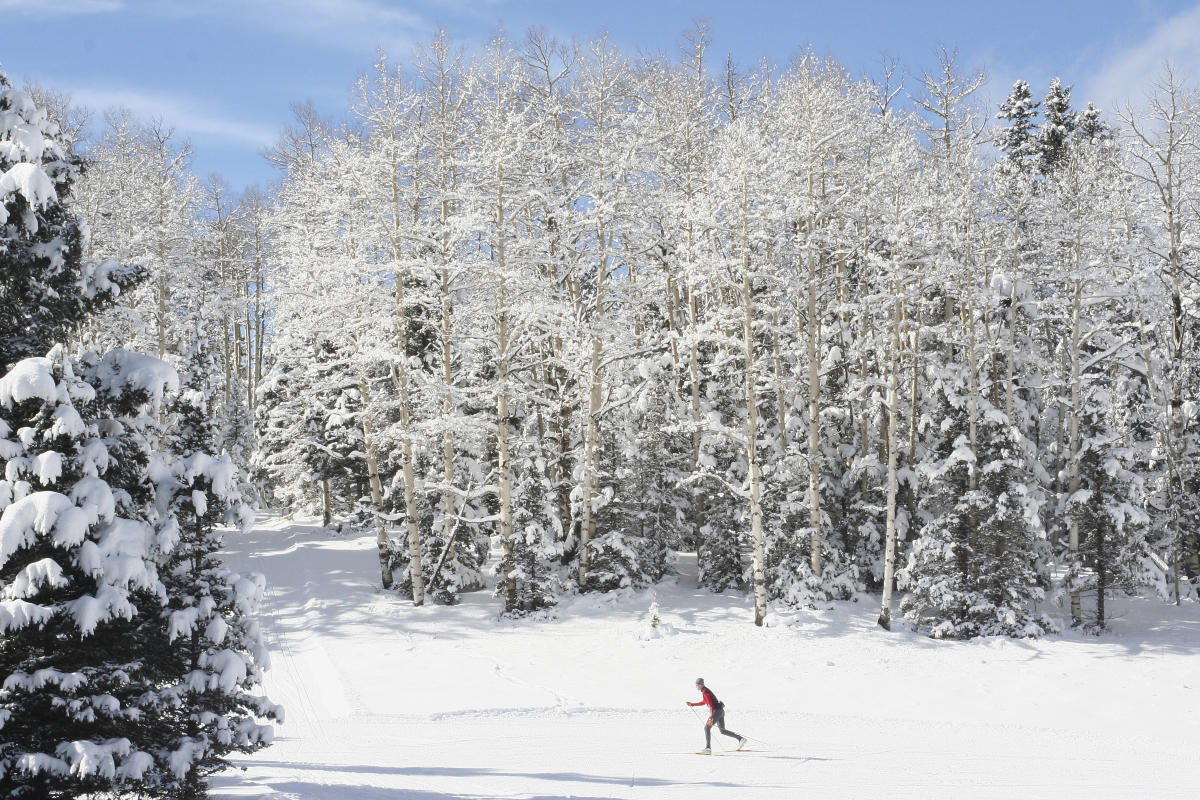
(225, 72)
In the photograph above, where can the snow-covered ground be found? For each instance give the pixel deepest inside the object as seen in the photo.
(385, 700)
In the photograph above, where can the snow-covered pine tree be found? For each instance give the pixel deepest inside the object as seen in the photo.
(1017, 138)
(647, 458)
(532, 563)
(1106, 509)
(77, 575)
(1010, 545)
(1058, 126)
(332, 440)
(46, 287)
(279, 463)
(210, 655)
(975, 570)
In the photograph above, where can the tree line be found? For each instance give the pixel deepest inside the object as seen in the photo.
(599, 309)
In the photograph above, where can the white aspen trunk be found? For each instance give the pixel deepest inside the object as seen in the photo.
(893, 402)
(673, 326)
(226, 336)
(914, 344)
(260, 320)
(750, 377)
(164, 296)
(590, 450)
(1074, 444)
(591, 445)
(449, 505)
(250, 345)
(381, 537)
(698, 502)
(400, 376)
(780, 391)
(1177, 421)
(759, 575)
(694, 371)
(814, 409)
(973, 398)
(1010, 379)
(415, 561)
(503, 461)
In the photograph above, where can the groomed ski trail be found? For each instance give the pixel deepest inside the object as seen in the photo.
(385, 700)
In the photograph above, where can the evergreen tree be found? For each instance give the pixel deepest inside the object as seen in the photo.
(210, 655)
(1058, 126)
(532, 564)
(976, 570)
(46, 287)
(1017, 137)
(1090, 127)
(78, 578)
(1107, 509)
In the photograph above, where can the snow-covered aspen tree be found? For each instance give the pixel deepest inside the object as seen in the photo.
(1163, 142)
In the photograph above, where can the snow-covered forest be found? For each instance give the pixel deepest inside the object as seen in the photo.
(541, 316)
(605, 308)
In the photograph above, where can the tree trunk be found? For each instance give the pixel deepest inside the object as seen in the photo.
(889, 553)
(503, 461)
(750, 376)
(816, 540)
(411, 522)
(1074, 446)
(591, 444)
(381, 537)
(449, 504)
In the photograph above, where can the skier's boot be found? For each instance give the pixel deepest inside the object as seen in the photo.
(741, 743)
(706, 752)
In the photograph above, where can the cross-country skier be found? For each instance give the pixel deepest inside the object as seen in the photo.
(716, 716)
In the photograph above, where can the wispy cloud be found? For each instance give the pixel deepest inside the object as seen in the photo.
(60, 8)
(190, 119)
(1128, 74)
(343, 23)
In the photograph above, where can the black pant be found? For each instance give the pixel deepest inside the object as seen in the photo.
(718, 719)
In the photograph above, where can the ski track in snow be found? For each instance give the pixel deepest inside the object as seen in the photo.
(385, 700)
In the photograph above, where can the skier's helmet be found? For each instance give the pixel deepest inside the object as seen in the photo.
(699, 681)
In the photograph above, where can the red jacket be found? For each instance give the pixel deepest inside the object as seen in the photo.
(708, 699)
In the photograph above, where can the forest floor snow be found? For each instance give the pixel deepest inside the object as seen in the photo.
(385, 700)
